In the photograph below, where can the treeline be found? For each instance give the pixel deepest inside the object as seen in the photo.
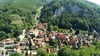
(74, 14)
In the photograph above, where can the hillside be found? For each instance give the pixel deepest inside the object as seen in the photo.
(76, 14)
(16, 15)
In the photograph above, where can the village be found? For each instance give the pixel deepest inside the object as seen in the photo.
(39, 37)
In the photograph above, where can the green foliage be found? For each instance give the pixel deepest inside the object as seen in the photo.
(16, 15)
(52, 28)
(52, 54)
(42, 52)
(2, 35)
(45, 1)
(97, 44)
(16, 54)
(10, 47)
(76, 14)
(31, 55)
(83, 51)
(53, 43)
(66, 51)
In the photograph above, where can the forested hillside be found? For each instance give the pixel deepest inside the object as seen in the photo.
(76, 14)
(16, 15)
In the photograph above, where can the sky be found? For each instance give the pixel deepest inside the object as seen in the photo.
(95, 1)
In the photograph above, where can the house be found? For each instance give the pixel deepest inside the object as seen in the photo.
(23, 42)
(33, 31)
(61, 36)
(76, 44)
(52, 34)
(18, 49)
(3, 52)
(21, 47)
(40, 26)
(21, 37)
(30, 31)
(47, 39)
(71, 37)
(39, 42)
(8, 41)
(45, 25)
(91, 39)
(51, 50)
(41, 34)
(71, 40)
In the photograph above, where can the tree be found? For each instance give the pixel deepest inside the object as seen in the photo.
(97, 45)
(82, 18)
(52, 54)
(53, 43)
(16, 54)
(77, 32)
(42, 52)
(66, 51)
(2, 35)
(84, 51)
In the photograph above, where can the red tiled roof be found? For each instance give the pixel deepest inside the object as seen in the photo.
(46, 39)
(51, 33)
(61, 36)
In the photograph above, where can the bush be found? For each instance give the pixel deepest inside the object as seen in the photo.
(16, 54)
(42, 52)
